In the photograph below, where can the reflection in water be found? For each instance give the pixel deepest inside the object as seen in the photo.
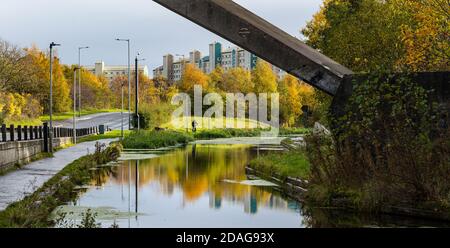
(186, 188)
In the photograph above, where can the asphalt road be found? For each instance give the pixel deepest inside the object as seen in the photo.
(111, 120)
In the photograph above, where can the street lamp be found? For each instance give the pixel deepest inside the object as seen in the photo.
(75, 104)
(129, 84)
(53, 44)
(137, 90)
(79, 79)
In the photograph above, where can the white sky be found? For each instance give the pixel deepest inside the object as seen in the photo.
(154, 30)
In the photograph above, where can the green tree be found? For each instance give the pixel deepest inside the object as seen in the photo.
(373, 35)
(362, 35)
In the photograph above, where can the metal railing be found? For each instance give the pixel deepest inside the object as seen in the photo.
(24, 133)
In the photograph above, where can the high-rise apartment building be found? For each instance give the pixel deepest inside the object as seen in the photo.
(231, 57)
(111, 72)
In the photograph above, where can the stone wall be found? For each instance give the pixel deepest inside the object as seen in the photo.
(23, 152)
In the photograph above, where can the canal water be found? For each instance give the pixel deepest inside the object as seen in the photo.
(202, 186)
(196, 186)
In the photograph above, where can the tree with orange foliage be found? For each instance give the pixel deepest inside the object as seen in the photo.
(193, 76)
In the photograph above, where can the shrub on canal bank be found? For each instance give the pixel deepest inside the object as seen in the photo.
(34, 210)
(155, 139)
(287, 164)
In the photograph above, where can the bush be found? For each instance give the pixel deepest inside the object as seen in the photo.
(15, 106)
(154, 115)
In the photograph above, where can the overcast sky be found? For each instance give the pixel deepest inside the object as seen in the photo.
(154, 30)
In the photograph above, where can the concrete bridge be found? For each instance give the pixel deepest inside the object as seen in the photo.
(251, 32)
(247, 30)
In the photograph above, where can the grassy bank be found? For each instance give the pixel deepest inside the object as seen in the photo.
(109, 135)
(287, 164)
(154, 139)
(226, 133)
(231, 133)
(33, 210)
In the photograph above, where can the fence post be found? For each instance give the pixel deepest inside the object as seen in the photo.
(19, 133)
(45, 137)
(11, 132)
(3, 133)
(31, 133)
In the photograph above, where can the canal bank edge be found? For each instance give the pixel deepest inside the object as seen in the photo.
(33, 211)
(297, 189)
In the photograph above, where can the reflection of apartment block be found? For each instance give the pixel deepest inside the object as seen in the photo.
(250, 203)
(111, 72)
(215, 201)
(231, 57)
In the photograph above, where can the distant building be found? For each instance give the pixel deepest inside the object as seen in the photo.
(229, 58)
(111, 72)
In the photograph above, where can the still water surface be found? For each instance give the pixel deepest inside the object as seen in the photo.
(196, 186)
(205, 186)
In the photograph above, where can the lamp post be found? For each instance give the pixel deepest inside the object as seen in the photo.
(75, 104)
(137, 91)
(53, 44)
(79, 79)
(129, 83)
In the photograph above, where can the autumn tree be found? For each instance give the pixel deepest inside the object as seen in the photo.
(426, 34)
(12, 67)
(373, 35)
(193, 76)
(165, 90)
(116, 90)
(216, 78)
(38, 80)
(290, 105)
(264, 78)
(237, 80)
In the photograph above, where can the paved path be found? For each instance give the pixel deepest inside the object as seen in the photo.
(112, 120)
(15, 185)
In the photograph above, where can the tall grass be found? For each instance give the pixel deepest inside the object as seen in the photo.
(287, 164)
